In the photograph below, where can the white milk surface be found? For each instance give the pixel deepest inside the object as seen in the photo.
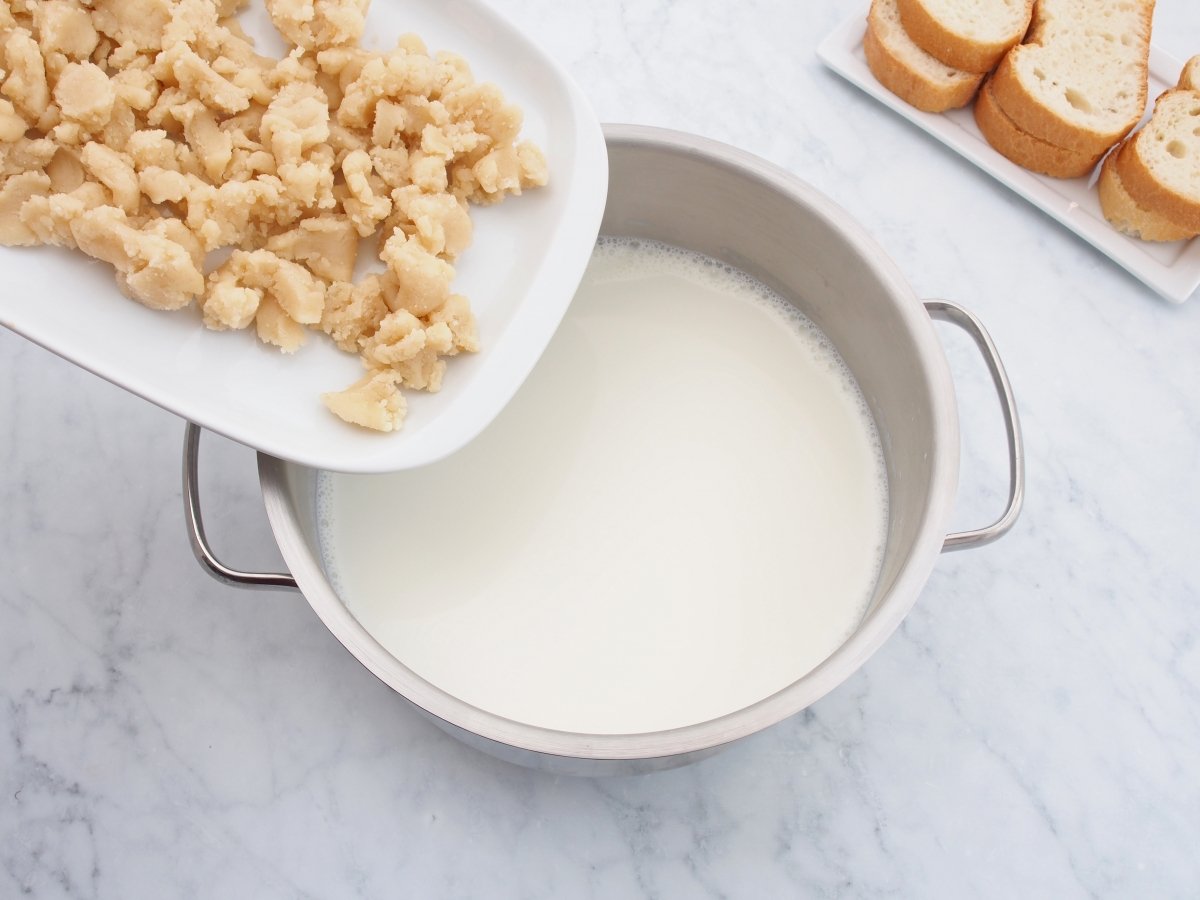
(681, 512)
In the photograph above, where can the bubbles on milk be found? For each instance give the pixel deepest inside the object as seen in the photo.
(325, 530)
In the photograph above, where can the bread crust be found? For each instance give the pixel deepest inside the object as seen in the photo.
(950, 47)
(1032, 117)
(1023, 148)
(909, 85)
(1147, 191)
(1124, 213)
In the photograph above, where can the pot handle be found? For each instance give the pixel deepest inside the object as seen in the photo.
(956, 315)
(195, 525)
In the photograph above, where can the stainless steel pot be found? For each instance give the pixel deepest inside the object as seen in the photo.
(705, 196)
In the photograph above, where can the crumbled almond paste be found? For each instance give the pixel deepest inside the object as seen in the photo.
(150, 133)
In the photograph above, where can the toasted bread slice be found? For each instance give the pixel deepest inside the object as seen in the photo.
(971, 36)
(1160, 165)
(1079, 80)
(1125, 215)
(1023, 148)
(1189, 78)
(908, 71)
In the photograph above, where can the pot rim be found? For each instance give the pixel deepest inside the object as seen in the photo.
(837, 668)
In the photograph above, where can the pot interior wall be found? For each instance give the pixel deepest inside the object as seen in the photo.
(302, 495)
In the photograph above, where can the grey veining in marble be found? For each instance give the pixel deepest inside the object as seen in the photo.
(1033, 730)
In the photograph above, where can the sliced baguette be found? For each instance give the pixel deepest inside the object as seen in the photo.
(1079, 80)
(1125, 215)
(1160, 165)
(1023, 148)
(1189, 79)
(908, 71)
(971, 35)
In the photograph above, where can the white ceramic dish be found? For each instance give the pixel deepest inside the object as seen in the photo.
(1172, 270)
(528, 256)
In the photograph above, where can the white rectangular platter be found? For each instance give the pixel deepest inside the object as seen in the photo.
(1172, 270)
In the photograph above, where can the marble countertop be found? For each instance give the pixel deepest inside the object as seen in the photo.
(1032, 730)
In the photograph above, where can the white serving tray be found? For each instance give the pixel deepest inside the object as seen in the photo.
(528, 256)
(1172, 270)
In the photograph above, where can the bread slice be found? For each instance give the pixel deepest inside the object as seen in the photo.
(971, 35)
(1124, 214)
(1079, 80)
(1023, 148)
(1160, 165)
(1189, 79)
(908, 71)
